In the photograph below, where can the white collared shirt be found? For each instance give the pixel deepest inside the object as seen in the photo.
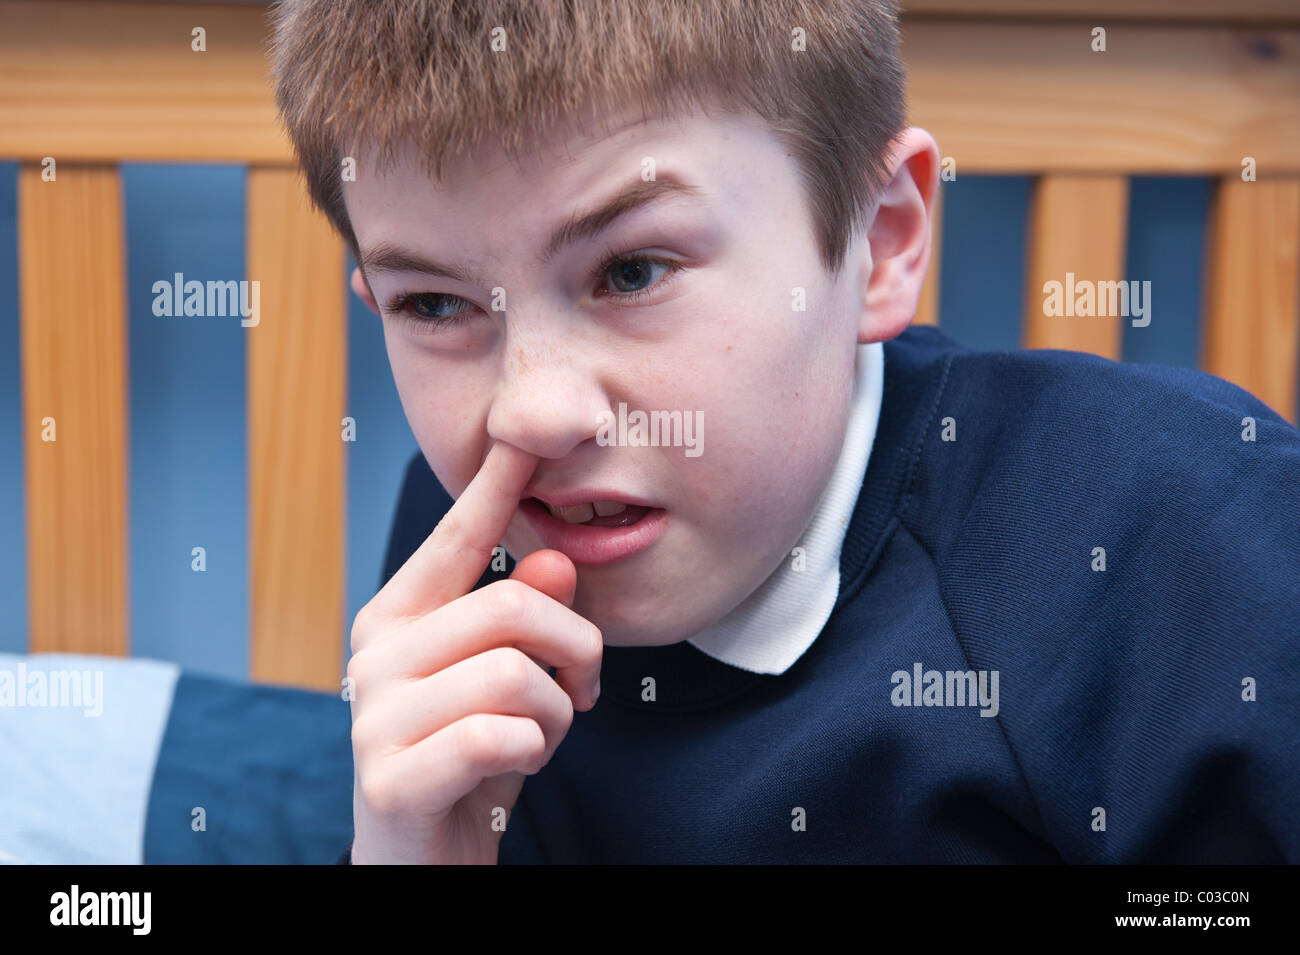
(772, 627)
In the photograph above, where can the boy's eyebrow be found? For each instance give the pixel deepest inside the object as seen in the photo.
(390, 258)
(584, 225)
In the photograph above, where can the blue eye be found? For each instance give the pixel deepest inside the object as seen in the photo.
(631, 274)
(422, 308)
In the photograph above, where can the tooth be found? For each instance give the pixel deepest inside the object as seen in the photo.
(608, 508)
(555, 511)
(577, 514)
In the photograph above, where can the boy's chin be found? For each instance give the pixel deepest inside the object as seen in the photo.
(640, 637)
(634, 627)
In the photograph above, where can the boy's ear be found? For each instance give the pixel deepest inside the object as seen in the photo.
(899, 238)
(363, 290)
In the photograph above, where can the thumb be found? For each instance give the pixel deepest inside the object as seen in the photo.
(550, 572)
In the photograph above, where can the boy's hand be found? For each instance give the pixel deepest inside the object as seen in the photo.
(450, 709)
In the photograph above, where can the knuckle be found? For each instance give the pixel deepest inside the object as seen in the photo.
(509, 602)
(354, 668)
(450, 527)
(362, 627)
(508, 673)
(480, 741)
(537, 753)
(364, 738)
(381, 793)
(567, 705)
(355, 673)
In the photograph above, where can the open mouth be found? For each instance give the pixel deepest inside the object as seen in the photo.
(595, 532)
(595, 513)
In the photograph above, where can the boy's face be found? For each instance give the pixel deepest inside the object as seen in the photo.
(710, 328)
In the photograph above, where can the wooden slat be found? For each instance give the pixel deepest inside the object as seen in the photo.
(1005, 97)
(74, 354)
(296, 386)
(1099, 11)
(119, 81)
(82, 80)
(1252, 303)
(927, 310)
(1078, 224)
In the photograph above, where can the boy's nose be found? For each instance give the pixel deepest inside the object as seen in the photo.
(545, 403)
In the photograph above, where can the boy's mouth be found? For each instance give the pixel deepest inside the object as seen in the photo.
(597, 530)
(597, 513)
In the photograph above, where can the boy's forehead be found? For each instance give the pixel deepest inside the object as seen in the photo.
(714, 172)
(569, 161)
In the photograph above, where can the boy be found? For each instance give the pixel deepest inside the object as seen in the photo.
(846, 592)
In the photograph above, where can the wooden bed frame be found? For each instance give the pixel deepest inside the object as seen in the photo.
(1189, 87)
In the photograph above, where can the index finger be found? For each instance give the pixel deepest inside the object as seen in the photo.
(453, 557)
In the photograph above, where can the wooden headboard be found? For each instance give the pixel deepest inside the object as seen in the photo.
(1194, 87)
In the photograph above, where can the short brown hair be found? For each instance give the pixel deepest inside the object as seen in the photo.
(383, 71)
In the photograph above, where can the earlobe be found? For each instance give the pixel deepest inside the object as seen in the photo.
(363, 290)
(899, 238)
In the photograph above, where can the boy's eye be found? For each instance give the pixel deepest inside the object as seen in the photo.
(429, 309)
(625, 277)
(628, 276)
(620, 277)
(429, 306)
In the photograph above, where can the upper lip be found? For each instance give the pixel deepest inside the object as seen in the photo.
(570, 497)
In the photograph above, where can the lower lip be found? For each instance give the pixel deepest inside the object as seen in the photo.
(584, 544)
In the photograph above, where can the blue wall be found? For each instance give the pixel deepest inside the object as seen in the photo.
(188, 461)
(188, 457)
(188, 453)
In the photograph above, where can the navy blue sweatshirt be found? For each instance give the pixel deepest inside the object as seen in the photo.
(1093, 545)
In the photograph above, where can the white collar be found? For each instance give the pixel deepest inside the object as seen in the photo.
(772, 627)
